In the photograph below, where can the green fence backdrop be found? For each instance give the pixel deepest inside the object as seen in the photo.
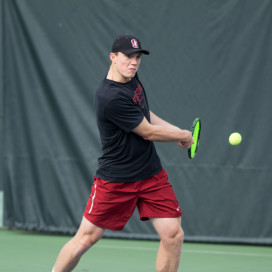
(210, 59)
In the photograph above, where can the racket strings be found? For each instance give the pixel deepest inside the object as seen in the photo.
(195, 137)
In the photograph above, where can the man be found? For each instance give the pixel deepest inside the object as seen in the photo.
(130, 174)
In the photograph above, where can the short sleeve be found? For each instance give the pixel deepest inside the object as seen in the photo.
(124, 113)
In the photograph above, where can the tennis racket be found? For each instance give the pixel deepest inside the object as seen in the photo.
(195, 130)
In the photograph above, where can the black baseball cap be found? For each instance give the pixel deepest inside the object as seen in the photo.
(127, 44)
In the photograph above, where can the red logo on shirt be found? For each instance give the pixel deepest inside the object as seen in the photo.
(138, 96)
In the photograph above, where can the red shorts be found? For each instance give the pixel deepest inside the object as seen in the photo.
(110, 205)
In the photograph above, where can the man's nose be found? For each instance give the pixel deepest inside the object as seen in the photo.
(134, 61)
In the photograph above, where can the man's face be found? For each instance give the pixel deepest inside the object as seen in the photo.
(126, 65)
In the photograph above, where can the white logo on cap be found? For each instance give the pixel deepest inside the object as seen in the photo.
(134, 43)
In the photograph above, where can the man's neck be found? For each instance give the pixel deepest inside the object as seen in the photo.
(115, 76)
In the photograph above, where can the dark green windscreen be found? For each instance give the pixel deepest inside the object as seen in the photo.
(209, 59)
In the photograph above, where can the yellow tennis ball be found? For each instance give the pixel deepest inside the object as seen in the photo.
(235, 138)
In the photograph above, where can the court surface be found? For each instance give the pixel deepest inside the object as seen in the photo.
(22, 251)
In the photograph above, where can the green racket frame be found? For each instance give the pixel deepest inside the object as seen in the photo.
(195, 130)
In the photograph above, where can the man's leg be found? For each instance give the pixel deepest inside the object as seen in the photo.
(87, 235)
(171, 234)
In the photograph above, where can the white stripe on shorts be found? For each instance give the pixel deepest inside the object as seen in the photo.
(93, 199)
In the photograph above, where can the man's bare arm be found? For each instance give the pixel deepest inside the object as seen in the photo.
(162, 131)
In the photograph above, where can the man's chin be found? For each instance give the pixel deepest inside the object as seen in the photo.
(131, 74)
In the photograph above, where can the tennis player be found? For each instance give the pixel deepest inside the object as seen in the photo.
(130, 173)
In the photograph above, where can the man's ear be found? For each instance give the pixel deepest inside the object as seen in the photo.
(113, 57)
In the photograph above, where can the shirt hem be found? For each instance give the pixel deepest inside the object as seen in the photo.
(130, 180)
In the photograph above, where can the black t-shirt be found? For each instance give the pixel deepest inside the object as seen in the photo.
(127, 157)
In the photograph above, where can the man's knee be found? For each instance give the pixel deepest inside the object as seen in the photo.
(174, 238)
(87, 235)
(87, 240)
(84, 242)
(179, 236)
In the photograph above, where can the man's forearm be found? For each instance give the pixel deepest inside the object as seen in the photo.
(156, 120)
(167, 133)
(162, 131)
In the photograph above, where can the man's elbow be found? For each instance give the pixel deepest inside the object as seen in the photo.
(146, 135)
(146, 131)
